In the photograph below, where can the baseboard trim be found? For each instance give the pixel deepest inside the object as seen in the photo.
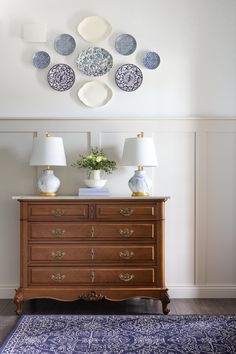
(206, 292)
(8, 291)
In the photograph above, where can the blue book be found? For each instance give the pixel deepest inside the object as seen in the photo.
(94, 191)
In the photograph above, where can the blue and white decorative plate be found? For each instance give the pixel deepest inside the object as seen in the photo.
(125, 44)
(128, 77)
(64, 44)
(41, 59)
(151, 60)
(61, 77)
(94, 61)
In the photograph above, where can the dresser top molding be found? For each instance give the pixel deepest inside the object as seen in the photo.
(91, 197)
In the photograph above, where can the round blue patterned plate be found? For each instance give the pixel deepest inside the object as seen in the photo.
(41, 59)
(151, 60)
(128, 77)
(64, 44)
(61, 77)
(94, 61)
(125, 44)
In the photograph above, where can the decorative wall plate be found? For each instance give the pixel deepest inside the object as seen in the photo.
(41, 59)
(95, 94)
(125, 44)
(64, 44)
(151, 60)
(94, 61)
(61, 77)
(94, 29)
(128, 77)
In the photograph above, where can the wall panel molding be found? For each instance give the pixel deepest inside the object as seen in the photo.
(112, 117)
(193, 155)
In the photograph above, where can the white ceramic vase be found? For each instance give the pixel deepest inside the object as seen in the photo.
(95, 179)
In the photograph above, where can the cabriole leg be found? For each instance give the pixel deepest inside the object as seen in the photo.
(18, 301)
(165, 300)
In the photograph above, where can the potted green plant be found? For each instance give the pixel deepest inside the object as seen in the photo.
(95, 162)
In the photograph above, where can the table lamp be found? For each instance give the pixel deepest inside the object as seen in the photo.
(48, 151)
(139, 152)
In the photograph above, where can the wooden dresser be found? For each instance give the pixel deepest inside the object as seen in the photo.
(91, 248)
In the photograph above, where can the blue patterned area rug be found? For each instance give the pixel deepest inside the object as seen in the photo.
(143, 334)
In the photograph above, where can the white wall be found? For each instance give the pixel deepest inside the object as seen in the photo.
(195, 40)
(197, 164)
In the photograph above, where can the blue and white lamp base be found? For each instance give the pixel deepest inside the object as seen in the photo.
(140, 184)
(48, 183)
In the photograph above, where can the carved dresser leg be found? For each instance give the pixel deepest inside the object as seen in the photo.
(18, 301)
(165, 300)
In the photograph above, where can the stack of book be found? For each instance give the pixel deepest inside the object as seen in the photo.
(94, 191)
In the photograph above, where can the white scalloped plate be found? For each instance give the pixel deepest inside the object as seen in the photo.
(95, 94)
(94, 29)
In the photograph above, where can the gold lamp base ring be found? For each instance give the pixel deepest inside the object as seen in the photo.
(140, 194)
(48, 194)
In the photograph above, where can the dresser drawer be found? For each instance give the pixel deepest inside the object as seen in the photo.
(95, 254)
(129, 211)
(61, 276)
(52, 212)
(91, 231)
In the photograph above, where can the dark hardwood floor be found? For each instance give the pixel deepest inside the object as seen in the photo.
(134, 306)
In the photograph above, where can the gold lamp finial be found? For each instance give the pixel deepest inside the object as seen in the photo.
(140, 135)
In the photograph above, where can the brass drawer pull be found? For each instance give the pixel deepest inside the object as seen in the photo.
(126, 211)
(126, 254)
(92, 231)
(126, 232)
(58, 277)
(58, 254)
(92, 277)
(58, 232)
(126, 276)
(58, 212)
(92, 253)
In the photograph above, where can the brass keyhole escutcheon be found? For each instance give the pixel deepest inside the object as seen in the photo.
(92, 253)
(92, 231)
(92, 277)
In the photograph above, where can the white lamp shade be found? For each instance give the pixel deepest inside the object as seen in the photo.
(35, 32)
(48, 151)
(139, 152)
